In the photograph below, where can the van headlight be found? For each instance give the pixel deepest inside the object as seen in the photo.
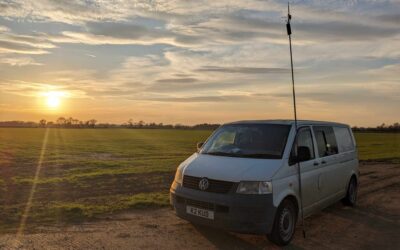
(179, 175)
(254, 187)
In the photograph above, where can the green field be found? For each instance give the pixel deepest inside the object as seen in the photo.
(86, 173)
(378, 146)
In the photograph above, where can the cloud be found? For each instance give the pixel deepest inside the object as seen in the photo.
(72, 12)
(387, 73)
(336, 31)
(120, 33)
(174, 87)
(19, 61)
(195, 99)
(20, 48)
(23, 44)
(390, 18)
(244, 70)
(177, 80)
(35, 89)
(4, 29)
(206, 52)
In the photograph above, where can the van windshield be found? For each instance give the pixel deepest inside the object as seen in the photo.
(265, 141)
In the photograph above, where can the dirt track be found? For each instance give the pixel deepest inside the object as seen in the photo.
(373, 224)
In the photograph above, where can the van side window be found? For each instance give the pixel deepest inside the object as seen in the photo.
(304, 139)
(344, 139)
(326, 140)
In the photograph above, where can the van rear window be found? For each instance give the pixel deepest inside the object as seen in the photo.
(248, 140)
(344, 139)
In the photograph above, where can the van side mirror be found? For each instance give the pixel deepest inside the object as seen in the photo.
(199, 145)
(303, 154)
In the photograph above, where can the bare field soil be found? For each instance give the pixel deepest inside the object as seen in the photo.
(373, 224)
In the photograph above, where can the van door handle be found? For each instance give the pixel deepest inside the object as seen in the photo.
(316, 163)
(323, 162)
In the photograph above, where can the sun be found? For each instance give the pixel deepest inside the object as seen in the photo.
(53, 99)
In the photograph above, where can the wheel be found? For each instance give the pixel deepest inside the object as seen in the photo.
(284, 223)
(351, 195)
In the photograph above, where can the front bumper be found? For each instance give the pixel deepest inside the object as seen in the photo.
(242, 213)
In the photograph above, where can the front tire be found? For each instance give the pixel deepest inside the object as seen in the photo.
(284, 223)
(351, 194)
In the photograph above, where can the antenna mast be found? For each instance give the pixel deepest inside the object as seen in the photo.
(289, 32)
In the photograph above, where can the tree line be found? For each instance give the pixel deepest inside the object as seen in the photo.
(71, 122)
(395, 127)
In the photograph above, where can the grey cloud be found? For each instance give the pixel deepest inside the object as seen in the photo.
(335, 31)
(182, 87)
(22, 48)
(123, 30)
(219, 98)
(112, 92)
(390, 18)
(199, 98)
(177, 80)
(359, 95)
(182, 75)
(23, 44)
(139, 32)
(244, 70)
(240, 27)
(125, 33)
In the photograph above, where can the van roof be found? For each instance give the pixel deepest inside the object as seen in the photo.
(287, 122)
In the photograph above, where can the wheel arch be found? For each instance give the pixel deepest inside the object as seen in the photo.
(293, 198)
(352, 175)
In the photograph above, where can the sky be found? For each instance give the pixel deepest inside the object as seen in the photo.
(199, 61)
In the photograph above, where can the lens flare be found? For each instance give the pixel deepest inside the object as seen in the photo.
(29, 202)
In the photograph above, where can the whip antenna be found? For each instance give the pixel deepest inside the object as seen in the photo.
(289, 32)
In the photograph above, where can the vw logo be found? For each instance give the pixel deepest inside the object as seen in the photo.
(203, 184)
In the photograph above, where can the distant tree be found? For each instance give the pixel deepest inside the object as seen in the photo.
(130, 123)
(75, 122)
(69, 122)
(140, 124)
(61, 121)
(42, 123)
(91, 123)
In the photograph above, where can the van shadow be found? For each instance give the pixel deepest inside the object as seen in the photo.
(226, 240)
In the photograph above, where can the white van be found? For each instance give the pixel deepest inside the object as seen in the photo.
(244, 178)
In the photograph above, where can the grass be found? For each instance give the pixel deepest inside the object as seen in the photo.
(58, 212)
(86, 173)
(378, 146)
(89, 209)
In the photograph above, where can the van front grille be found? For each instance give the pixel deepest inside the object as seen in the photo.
(215, 186)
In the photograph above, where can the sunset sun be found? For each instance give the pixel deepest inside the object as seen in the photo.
(53, 99)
